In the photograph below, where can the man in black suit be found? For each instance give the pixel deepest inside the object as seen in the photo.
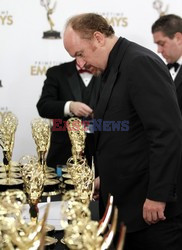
(167, 34)
(68, 91)
(138, 164)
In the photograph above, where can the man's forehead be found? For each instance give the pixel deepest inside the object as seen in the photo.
(70, 40)
(71, 36)
(70, 32)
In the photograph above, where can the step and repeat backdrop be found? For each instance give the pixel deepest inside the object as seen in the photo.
(28, 47)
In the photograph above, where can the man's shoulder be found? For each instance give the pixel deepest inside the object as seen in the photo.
(137, 53)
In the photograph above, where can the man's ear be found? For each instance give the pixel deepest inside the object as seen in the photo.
(178, 36)
(99, 38)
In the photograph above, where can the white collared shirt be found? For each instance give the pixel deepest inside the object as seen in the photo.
(173, 72)
(86, 78)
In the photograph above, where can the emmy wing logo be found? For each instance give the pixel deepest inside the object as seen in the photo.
(50, 34)
(158, 5)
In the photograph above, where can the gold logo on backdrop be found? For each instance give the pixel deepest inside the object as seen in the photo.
(159, 6)
(40, 68)
(50, 34)
(6, 18)
(116, 19)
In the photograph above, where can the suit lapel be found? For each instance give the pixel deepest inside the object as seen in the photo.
(103, 100)
(116, 61)
(74, 84)
(105, 95)
(96, 81)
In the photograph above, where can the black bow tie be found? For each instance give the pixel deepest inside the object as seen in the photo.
(175, 65)
(80, 71)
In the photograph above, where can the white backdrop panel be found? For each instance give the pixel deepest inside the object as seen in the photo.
(25, 55)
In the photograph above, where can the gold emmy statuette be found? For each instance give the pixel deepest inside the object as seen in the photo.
(33, 177)
(92, 184)
(120, 243)
(8, 125)
(103, 223)
(78, 174)
(77, 137)
(158, 5)
(108, 237)
(81, 232)
(73, 208)
(78, 215)
(81, 177)
(41, 136)
(15, 233)
(50, 34)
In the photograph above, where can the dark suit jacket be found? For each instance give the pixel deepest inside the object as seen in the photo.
(142, 162)
(178, 84)
(60, 86)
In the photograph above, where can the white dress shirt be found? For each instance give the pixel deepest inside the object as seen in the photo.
(86, 78)
(173, 72)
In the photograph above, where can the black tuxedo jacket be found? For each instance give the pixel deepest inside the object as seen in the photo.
(142, 160)
(178, 84)
(62, 85)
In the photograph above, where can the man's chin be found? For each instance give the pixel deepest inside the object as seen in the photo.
(96, 72)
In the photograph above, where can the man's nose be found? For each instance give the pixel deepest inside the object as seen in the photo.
(159, 49)
(80, 62)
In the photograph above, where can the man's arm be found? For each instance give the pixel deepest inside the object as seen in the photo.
(154, 99)
(50, 104)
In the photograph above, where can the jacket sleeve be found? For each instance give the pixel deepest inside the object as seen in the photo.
(155, 101)
(50, 104)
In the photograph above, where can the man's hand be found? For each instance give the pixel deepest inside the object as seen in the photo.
(80, 109)
(153, 211)
(96, 188)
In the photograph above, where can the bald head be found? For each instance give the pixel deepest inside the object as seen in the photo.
(89, 38)
(87, 23)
